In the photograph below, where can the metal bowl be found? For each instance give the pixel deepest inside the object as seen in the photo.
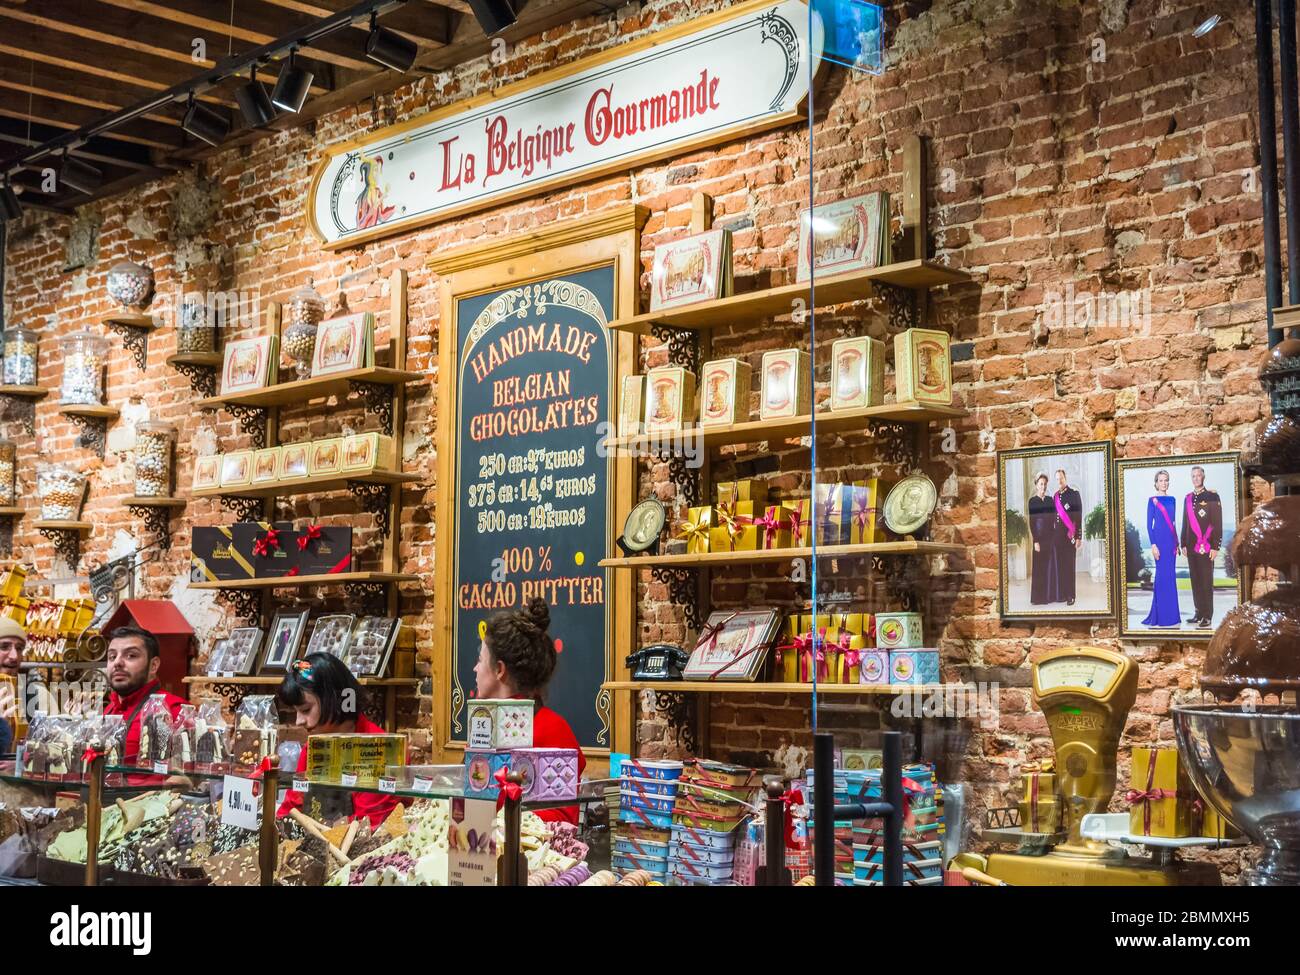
(1246, 764)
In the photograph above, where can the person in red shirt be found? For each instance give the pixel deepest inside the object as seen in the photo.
(326, 700)
(133, 661)
(516, 660)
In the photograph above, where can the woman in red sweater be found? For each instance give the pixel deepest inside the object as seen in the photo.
(516, 660)
(326, 699)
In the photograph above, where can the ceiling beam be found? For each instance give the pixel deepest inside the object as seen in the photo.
(48, 81)
(535, 17)
(101, 149)
(428, 27)
(62, 115)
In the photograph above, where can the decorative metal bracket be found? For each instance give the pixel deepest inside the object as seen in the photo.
(94, 432)
(67, 544)
(378, 398)
(682, 590)
(233, 694)
(900, 304)
(679, 709)
(24, 411)
(247, 602)
(900, 579)
(246, 509)
(203, 379)
(252, 420)
(7, 536)
(683, 345)
(135, 340)
(374, 498)
(370, 597)
(157, 521)
(685, 477)
(899, 440)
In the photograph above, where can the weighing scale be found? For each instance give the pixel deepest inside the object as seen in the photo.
(1086, 694)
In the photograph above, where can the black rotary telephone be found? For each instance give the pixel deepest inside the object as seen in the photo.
(663, 661)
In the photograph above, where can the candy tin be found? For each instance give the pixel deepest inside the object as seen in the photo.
(642, 834)
(626, 863)
(699, 871)
(912, 852)
(704, 838)
(688, 852)
(915, 872)
(726, 810)
(651, 770)
(631, 800)
(721, 775)
(644, 817)
(631, 847)
(649, 787)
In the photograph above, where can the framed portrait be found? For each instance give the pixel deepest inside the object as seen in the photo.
(733, 645)
(1176, 575)
(1056, 523)
(287, 630)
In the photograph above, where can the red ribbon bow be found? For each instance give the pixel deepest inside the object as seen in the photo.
(769, 525)
(268, 543)
(792, 798)
(510, 790)
(312, 534)
(89, 755)
(262, 767)
(1146, 796)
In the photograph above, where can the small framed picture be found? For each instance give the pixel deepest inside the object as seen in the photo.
(207, 473)
(372, 643)
(1176, 578)
(287, 631)
(733, 645)
(237, 469)
(241, 650)
(332, 635)
(293, 461)
(344, 344)
(1056, 525)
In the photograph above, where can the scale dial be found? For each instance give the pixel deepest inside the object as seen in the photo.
(1076, 673)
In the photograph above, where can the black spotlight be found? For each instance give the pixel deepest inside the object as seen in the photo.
(492, 15)
(292, 86)
(254, 102)
(10, 205)
(203, 123)
(79, 175)
(389, 48)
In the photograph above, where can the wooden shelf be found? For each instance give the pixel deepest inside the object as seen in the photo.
(83, 527)
(755, 307)
(12, 512)
(756, 431)
(296, 582)
(309, 485)
(25, 392)
(133, 321)
(302, 390)
(136, 502)
(92, 410)
(784, 554)
(208, 360)
(268, 680)
(762, 687)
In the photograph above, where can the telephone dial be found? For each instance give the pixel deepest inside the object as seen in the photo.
(663, 661)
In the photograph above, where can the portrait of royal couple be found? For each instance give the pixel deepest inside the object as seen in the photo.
(1198, 540)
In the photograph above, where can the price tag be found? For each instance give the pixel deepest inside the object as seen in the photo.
(387, 784)
(240, 806)
(347, 779)
(301, 785)
(160, 768)
(421, 784)
(227, 673)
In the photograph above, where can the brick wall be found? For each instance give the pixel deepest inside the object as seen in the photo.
(1099, 146)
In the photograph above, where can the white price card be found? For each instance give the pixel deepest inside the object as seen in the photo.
(160, 768)
(387, 783)
(241, 802)
(301, 785)
(421, 784)
(347, 779)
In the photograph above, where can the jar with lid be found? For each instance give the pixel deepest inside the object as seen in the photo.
(195, 331)
(61, 491)
(154, 441)
(8, 468)
(84, 357)
(305, 309)
(20, 357)
(131, 285)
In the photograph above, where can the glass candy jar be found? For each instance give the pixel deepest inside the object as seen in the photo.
(84, 357)
(153, 459)
(131, 285)
(61, 490)
(8, 468)
(305, 309)
(20, 357)
(195, 331)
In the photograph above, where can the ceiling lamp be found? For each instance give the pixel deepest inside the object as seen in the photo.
(493, 15)
(254, 102)
(292, 86)
(81, 176)
(203, 123)
(389, 48)
(9, 202)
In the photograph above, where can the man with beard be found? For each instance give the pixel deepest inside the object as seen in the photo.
(1200, 539)
(1069, 535)
(133, 661)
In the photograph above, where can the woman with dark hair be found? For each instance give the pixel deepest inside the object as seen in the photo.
(326, 700)
(516, 660)
(1044, 587)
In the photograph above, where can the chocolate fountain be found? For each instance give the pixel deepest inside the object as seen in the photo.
(1243, 755)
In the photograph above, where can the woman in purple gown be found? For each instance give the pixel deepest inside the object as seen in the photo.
(1043, 586)
(1162, 511)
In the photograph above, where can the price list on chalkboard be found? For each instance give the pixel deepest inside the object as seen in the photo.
(533, 501)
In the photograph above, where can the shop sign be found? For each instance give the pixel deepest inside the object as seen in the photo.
(713, 79)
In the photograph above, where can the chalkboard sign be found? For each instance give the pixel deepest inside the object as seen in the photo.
(533, 511)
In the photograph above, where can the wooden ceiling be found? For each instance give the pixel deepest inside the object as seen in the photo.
(67, 63)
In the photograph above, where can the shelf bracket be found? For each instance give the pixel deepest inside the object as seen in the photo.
(247, 602)
(683, 345)
(252, 420)
(67, 544)
(246, 509)
(899, 440)
(134, 339)
(685, 477)
(370, 597)
(157, 521)
(7, 536)
(900, 304)
(24, 411)
(232, 693)
(203, 379)
(374, 498)
(682, 590)
(679, 709)
(900, 579)
(94, 432)
(378, 398)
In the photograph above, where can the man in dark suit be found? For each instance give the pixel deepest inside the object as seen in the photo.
(1200, 539)
(1069, 535)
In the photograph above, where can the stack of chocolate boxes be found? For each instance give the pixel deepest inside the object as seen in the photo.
(501, 737)
(268, 550)
(647, 794)
(713, 799)
(856, 648)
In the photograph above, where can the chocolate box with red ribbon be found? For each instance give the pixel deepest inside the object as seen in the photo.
(214, 557)
(323, 550)
(1160, 795)
(267, 546)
